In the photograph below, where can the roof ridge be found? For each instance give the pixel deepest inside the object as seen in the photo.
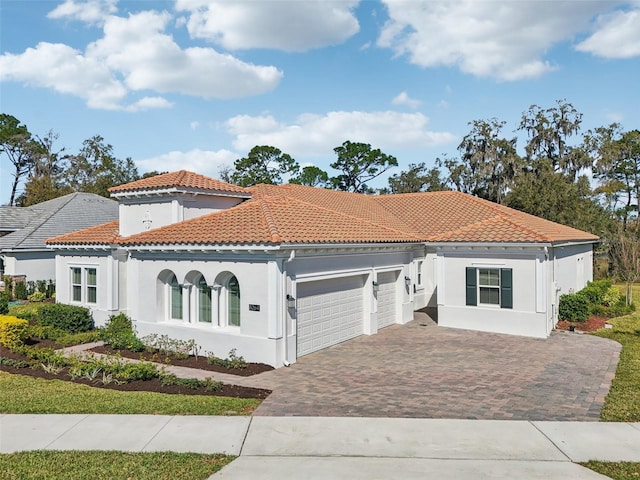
(522, 228)
(271, 224)
(409, 233)
(44, 216)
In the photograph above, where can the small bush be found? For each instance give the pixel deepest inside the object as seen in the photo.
(8, 287)
(170, 347)
(611, 297)
(595, 291)
(130, 372)
(69, 318)
(37, 297)
(232, 361)
(13, 331)
(28, 311)
(118, 334)
(4, 304)
(573, 307)
(20, 290)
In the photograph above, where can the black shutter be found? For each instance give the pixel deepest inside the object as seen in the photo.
(472, 284)
(506, 288)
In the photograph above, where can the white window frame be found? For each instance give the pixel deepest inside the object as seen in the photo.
(492, 287)
(84, 286)
(419, 275)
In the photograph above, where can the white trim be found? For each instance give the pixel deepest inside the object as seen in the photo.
(312, 277)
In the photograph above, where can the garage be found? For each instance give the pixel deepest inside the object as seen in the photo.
(387, 293)
(329, 312)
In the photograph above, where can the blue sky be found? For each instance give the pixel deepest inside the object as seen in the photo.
(195, 84)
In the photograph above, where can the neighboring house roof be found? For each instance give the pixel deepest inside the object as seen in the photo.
(179, 179)
(15, 218)
(296, 214)
(59, 216)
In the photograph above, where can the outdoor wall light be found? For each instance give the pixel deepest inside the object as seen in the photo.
(291, 301)
(407, 281)
(376, 287)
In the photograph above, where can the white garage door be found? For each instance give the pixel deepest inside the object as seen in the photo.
(329, 312)
(387, 298)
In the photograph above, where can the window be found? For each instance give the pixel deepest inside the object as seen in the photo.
(176, 299)
(92, 285)
(76, 284)
(84, 285)
(420, 273)
(489, 286)
(233, 302)
(204, 301)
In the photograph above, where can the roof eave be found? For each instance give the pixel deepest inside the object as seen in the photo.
(158, 192)
(457, 244)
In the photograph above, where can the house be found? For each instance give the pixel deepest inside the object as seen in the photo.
(23, 231)
(279, 271)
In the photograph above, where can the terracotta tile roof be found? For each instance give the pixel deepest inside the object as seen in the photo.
(271, 220)
(457, 217)
(181, 178)
(104, 234)
(297, 214)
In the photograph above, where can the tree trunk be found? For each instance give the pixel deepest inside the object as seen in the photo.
(629, 293)
(13, 191)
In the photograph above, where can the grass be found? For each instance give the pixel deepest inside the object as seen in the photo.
(24, 394)
(615, 470)
(74, 465)
(623, 401)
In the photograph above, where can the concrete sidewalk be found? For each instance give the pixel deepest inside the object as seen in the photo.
(355, 448)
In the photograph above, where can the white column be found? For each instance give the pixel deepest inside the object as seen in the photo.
(186, 302)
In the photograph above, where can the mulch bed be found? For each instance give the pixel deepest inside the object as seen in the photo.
(591, 325)
(153, 385)
(192, 362)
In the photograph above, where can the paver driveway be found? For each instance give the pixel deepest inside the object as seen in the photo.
(436, 372)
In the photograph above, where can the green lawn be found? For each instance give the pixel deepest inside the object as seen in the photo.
(24, 394)
(616, 470)
(74, 465)
(623, 401)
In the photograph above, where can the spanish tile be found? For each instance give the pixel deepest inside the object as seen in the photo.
(181, 178)
(296, 214)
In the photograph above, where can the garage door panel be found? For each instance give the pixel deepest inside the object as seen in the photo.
(329, 312)
(387, 298)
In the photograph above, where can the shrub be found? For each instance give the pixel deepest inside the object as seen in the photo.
(4, 304)
(232, 361)
(20, 290)
(595, 291)
(13, 331)
(69, 318)
(28, 311)
(130, 372)
(573, 307)
(118, 334)
(170, 347)
(37, 297)
(8, 287)
(611, 297)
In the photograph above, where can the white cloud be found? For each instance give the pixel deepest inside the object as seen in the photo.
(65, 70)
(506, 40)
(205, 162)
(90, 11)
(292, 26)
(150, 59)
(443, 104)
(194, 125)
(135, 55)
(403, 98)
(615, 117)
(617, 35)
(317, 135)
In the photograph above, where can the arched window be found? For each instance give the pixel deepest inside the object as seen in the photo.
(204, 301)
(176, 298)
(233, 302)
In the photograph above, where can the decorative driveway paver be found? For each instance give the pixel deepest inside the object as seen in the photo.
(435, 372)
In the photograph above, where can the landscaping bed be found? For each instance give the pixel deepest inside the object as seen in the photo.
(150, 385)
(591, 325)
(191, 361)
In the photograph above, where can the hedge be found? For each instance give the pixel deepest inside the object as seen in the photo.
(13, 331)
(69, 318)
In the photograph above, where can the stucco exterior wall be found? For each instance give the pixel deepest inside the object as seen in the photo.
(34, 265)
(574, 267)
(530, 299)
(137, 216)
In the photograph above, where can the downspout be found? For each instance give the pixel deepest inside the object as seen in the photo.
(292, 257)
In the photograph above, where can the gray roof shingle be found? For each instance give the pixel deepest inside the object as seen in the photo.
(61, 215)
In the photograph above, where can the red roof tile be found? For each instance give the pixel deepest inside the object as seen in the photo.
(107, 233)
(297, 214)
(181, 178)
